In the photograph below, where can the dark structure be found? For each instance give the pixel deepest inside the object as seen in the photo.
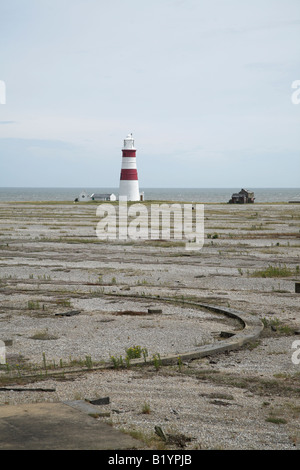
(243, 197)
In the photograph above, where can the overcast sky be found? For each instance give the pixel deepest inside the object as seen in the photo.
(204, 86)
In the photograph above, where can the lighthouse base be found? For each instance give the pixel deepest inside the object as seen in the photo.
(129, 190)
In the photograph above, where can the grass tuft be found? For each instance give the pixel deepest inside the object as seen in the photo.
(274, 271)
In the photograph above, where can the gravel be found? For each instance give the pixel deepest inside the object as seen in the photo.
(246, 399)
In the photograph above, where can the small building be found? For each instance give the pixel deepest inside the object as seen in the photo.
(83, 197)
(103, 197)
(243, 197)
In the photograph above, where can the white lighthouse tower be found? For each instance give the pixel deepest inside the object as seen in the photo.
(129, 183)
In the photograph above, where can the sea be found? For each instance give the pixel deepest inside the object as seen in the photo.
(197, 195)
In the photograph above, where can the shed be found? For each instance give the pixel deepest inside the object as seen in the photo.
(242, 197)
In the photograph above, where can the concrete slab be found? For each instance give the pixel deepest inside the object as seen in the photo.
(57, 426)
(86, 407)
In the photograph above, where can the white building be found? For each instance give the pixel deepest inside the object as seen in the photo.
(103, 197)
(85, 197)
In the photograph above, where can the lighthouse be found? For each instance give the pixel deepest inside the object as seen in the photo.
(129, 183)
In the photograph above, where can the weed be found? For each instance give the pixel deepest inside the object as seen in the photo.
(273, 271)
(88, 362)
(151, 440)
(42, 335)
(145, 354)
(277, 326)
(127, 360)
(134, 352)
(215, 235)
(64, 302)
(146, 409)
(157, 361)
(32, 305)
(275, 420)
(117, 362)
(44, 361)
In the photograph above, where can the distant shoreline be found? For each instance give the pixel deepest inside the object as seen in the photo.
(193, 195)
(153, 201)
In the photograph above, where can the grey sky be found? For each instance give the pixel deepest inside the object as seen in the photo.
(203, 85)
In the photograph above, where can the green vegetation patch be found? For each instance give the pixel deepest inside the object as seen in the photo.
(275, 271)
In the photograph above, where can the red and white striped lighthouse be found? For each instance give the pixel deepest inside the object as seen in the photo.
(129, 183)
